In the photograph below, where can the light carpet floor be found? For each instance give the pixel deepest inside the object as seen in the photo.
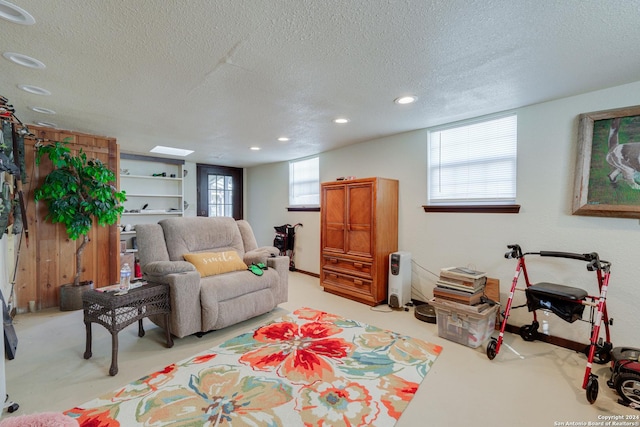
(463, 388)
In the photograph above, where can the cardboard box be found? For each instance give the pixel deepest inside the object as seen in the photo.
(129, 258)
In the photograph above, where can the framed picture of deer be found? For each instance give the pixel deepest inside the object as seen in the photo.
(607, 180)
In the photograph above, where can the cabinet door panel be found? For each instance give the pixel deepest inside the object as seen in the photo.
(333, 205)
(360, 221)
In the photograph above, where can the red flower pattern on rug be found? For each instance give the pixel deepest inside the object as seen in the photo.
(300, 353)
(309, 368)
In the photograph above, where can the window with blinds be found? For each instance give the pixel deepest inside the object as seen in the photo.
(473, 163)
(304, 182)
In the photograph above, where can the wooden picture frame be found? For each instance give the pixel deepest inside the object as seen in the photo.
(607, 176)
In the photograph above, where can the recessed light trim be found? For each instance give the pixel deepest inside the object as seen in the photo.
(24, 60)
(42, 110)
(160, 149)
(284, 139)
(254, 148)
(47, 124)
(341, 120)
(403, 100)
(34, 90)
(15, 14)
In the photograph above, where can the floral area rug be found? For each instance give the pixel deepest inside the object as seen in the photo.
(307, 368)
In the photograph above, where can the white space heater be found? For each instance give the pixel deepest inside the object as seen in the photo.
(399, 279)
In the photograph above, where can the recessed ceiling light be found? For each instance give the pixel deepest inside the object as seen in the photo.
(24, 60)
(34, 89)
(254, 148)
(283, 139)
(341, 121)
(15, 14)
(42, 110)
(47, 124)
(171, 151)
(406, 99)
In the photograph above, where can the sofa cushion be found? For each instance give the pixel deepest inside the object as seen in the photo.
(212, 263)
(201, 234)
(214, 289)
(248, 238)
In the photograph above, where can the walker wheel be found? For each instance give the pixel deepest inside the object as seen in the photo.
(491, 348)
(13, 408)
(602, 356)
(602, 353)
(592, 389)
(529, 332)
(628, 387)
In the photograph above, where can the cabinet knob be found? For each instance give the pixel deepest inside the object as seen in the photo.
(357, 282)
(333, 261)
(357, 265)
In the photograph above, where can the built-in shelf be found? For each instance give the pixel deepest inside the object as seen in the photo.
(168, 178)
(151, 213)
(162, 196)
(154, 195)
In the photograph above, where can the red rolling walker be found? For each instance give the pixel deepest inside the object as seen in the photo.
(567, 303)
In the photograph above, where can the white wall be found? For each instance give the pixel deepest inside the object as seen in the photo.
(547, 135)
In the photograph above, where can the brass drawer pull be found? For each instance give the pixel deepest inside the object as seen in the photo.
(358, 265)
(357, 282)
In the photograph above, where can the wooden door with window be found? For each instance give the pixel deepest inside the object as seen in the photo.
(219, 191)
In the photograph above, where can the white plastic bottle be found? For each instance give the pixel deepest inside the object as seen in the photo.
(125, 277)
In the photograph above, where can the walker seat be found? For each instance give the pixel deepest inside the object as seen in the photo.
(560, 299)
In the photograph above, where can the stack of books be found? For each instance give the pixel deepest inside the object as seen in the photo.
(460, 284)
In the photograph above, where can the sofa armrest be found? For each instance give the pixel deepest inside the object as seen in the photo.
(161, 268)
(184, 294)
(281, 265)
(259, 255)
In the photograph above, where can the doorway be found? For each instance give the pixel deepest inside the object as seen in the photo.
(219, 191)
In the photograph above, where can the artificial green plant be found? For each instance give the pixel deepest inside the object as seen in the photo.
(76, 191)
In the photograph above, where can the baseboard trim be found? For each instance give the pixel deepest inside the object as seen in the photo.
(308, 273)
(550, 339)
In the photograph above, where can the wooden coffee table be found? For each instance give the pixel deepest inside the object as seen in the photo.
(115, 312)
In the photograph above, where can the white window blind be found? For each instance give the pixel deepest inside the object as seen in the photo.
(474, 163)
(304, 182)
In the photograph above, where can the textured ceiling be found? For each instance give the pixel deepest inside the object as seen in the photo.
(220, 76)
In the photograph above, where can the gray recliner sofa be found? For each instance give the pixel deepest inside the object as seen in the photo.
(201, 304)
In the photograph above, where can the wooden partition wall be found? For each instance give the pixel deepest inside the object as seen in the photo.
(48, 261)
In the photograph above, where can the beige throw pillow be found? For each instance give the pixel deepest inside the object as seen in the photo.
(210, 263)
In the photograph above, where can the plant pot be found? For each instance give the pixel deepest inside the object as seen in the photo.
(71, 296)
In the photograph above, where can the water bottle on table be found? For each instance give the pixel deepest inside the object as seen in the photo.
(125, 277)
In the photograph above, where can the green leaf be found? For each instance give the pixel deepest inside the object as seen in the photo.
(77, 190)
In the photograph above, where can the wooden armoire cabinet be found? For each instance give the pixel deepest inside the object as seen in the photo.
(358, 231)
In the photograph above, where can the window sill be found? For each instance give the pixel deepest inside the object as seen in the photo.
(509, 209)
(303, 208)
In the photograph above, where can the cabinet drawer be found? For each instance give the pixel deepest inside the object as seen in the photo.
(349, 266)
(346, 281)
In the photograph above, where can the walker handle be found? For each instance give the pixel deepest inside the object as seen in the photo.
(515, 252)
(582, 257)
(592, 258)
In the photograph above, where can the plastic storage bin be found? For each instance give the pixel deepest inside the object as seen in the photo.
(464, 324)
